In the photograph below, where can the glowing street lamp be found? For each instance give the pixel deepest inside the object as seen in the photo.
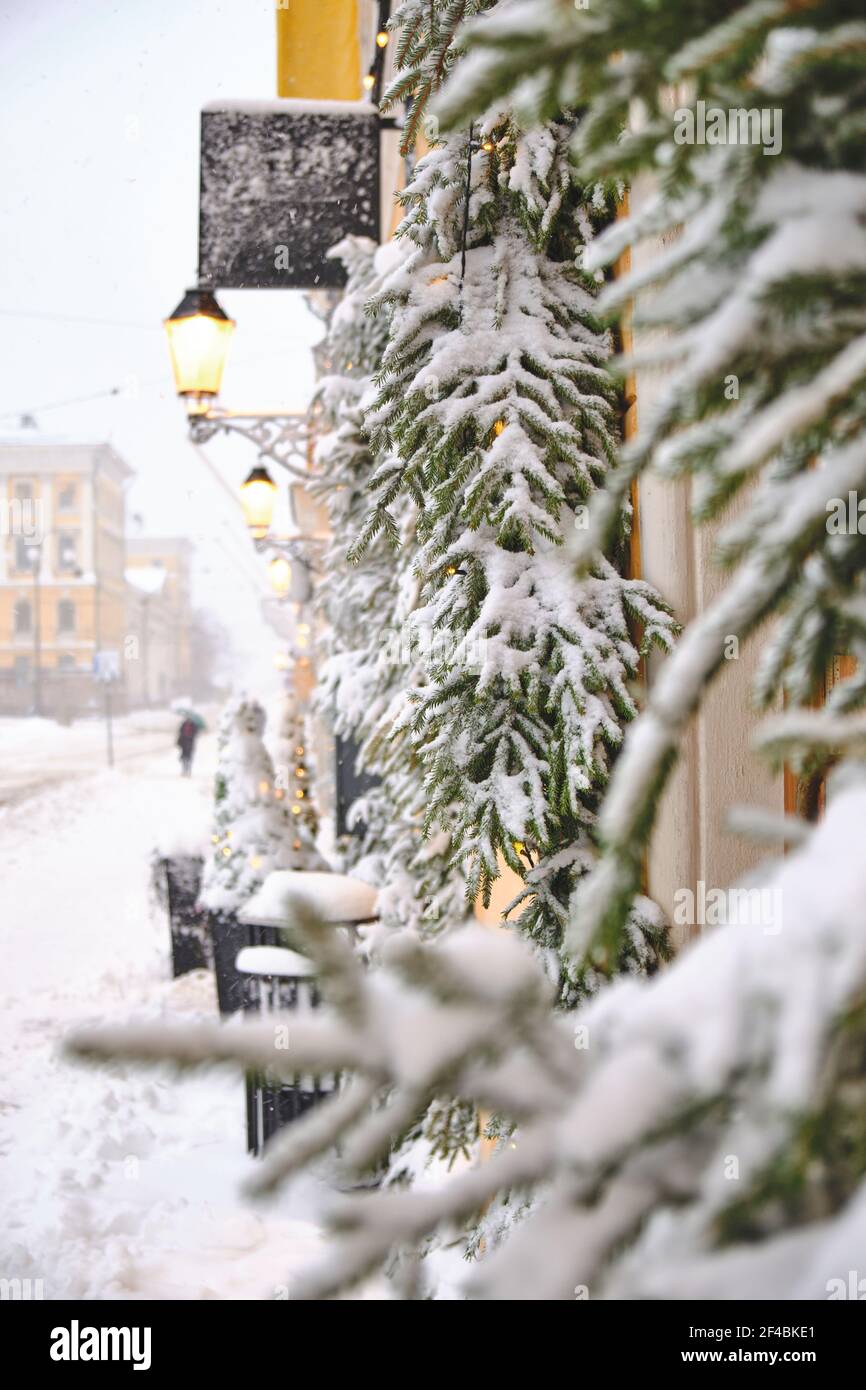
(258, 495)
(280, 575)
(199, 332)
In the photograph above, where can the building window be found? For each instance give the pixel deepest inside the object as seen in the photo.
(23, 617)
(26, 555)
(22, 671)
(67, 497)
(66, 616)
(23, 490)
(66, 662)
(67, 552)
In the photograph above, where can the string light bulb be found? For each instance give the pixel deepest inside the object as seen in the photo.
(382, 39)
(499, 427)
(488, 146)
(369, 81)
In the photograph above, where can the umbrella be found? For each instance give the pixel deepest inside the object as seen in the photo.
(193, 715)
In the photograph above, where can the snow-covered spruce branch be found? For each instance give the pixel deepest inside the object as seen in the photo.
(368, 653)
(630, 1111)
(496, 418)
(249, 1046)
(752, 306)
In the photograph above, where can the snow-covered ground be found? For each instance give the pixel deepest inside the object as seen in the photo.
(37, 753)
(116, 1183)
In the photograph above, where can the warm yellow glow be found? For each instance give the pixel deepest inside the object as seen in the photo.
(280, 575)
(452, 569)
(296, 810)
(199, 334)
(318, 50)
(499, 427)
(264, 788)
(369, 81)
(258, 495)
(488, 147)
(255, 862)
(299, 752)
(300, 772)
(519, 846)
(226, 852)
(382, 39)
(214, 839)
(300, 793)
(279, 794)
(281, 661)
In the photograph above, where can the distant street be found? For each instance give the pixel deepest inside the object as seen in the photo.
(37, 753)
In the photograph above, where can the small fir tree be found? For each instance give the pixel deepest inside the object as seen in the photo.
(252, 826)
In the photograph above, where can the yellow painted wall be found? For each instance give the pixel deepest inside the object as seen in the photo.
(110, 601)
(318, 55)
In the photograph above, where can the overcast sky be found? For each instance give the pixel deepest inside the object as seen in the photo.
(99, 110)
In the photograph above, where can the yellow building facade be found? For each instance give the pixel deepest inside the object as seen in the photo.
(62, 585)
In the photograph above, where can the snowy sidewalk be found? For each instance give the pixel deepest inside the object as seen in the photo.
(116, 1183)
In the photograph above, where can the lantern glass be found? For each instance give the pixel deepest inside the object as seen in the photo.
(258, 495)
(280, 575)
(199, 333)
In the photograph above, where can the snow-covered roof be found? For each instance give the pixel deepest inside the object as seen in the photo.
(331, 897)
(148, 579)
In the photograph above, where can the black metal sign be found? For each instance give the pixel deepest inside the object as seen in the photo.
(282, 182)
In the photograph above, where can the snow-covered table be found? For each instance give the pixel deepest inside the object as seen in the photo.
(289, 894)
(275, 962)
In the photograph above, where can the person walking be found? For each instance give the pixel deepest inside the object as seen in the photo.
(186, 737)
